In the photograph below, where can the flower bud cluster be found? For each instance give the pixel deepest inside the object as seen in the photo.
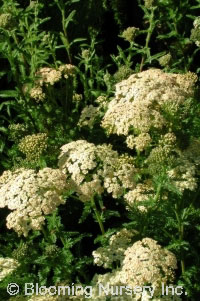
(130, 33)
(77, 97)
(33, 145)
(6, 20)
(183, 175)
(17, 131)
(21, 251)
(165, 60)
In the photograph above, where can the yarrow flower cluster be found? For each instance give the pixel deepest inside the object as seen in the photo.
(141, 193)
(114, 252)
(67, 70)
(85, 54)
(91, 169)
(49, 76)
(147, 262)
(88, 116)
(139, 99)
(37, 94)
(183, 175)
(91, 114)
(33, 145)
(140, 142)
(195, 32)
(144, 261)
(20, 252)
(31, 195)
(7, 266)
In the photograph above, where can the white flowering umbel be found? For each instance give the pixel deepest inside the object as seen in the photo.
(91, 169)
(138, 101)
(7, 266)
(144, 262)
(31, 195)
(183, 175)
(47, 76)
(114, 252)
(142, 192)
(147, 262)
(88, 116)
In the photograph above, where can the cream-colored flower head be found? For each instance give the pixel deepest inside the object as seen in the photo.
(137, 105)
(147, 262)
(7, 266)
(114, 252)
(144, 262)
(31, 195)
(102, 101)
(183, 175)
(37, 94)
(142, 192)
(17, 131)
(140, 142)
(88, 116)
(47, 75)
(67, 70)
(195, 32)
(91, 169)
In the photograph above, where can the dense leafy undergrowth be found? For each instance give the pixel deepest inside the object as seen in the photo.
(100, 150)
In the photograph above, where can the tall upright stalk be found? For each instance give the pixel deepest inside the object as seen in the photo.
(146, 53)
(98, 216)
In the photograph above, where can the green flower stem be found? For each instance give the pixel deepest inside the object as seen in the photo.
(98, 216)
(149, 34)
(66, 36)
(46, 236)
(181, 235)
(23, 63)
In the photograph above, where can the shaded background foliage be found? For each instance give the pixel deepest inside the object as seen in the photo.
(104, 20)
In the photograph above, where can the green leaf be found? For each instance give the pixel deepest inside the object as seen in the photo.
(69, 18)
(77, 40)
(3, 129)
(8, 93)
